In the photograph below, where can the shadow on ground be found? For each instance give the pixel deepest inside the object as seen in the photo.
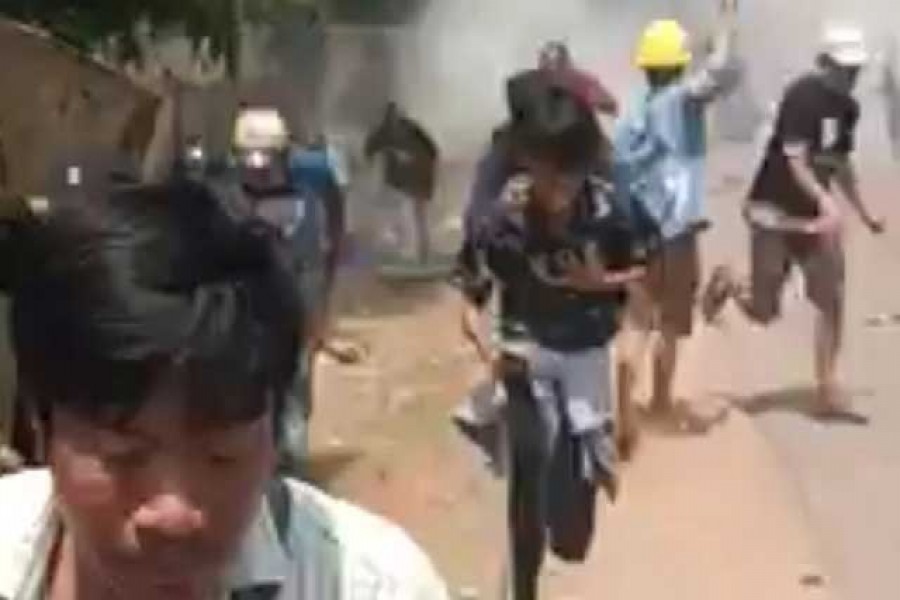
(801, 401)
(686, 420)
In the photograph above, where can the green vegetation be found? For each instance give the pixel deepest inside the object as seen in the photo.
(117, 27)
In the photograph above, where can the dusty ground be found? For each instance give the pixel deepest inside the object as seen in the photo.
(847, 473)
(722, 515)
(701, 517)
(383, 432)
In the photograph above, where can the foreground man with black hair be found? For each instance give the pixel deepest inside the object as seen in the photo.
(156, 339)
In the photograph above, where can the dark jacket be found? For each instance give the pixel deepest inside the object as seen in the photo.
(410, 154)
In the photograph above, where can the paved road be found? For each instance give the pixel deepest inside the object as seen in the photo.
(848, 474)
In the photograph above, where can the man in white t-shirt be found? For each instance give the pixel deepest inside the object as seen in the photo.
(156, 339)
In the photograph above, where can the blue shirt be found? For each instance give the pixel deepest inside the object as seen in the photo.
(660, 143)
(661, 151)
(313, 169)
(299, 216)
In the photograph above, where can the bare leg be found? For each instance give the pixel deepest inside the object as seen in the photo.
(665, 364)
(633, 344)
(627, 435)
(828, 341)
(423, 235)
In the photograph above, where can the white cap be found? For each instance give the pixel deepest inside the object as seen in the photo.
(845, 45)
(260, 128)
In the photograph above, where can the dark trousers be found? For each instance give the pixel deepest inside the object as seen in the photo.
(548, 497)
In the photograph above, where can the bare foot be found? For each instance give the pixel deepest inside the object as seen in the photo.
(610, 484)
(717, 293)
(682, 418)
(834, 405)
(627, 442)
(689, 420)
(830, 400)
(661, 409)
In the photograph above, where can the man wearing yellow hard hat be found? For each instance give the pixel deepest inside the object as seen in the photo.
(660, 149)
(793, 208)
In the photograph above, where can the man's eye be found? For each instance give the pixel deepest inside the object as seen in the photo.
(223, 459)
(131, 457)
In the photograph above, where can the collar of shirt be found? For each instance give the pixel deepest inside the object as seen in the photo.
(29, 535)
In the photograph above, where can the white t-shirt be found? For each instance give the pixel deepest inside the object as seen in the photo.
(330, 550)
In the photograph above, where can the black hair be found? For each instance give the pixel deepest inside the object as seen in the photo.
(549, 123)
(661, 77)
(116, 289)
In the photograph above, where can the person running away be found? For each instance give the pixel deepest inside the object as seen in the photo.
(793, 210)
(155, 336)
(410, 159)
(660, 147)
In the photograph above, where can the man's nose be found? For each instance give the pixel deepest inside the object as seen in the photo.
(171, 515)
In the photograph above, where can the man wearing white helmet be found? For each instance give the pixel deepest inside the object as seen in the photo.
(793, 211)
(298, 216)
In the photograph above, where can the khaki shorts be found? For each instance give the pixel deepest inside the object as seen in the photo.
(665, 299)
(774, 253)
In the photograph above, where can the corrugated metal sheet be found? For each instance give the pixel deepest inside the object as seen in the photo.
(52, 97)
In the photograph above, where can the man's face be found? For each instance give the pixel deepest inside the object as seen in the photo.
(842, 78)
(158, 507)
(263, 169)
(553, 188)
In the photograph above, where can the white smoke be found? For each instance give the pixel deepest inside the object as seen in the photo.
(453, 67)
(453, 71)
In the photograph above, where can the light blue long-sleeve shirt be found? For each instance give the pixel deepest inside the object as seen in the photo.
(660, 143)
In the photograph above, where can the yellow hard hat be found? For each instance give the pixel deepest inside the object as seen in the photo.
(664, 45)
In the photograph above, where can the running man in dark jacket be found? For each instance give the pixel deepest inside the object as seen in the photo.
(410, 166)
(559, 251)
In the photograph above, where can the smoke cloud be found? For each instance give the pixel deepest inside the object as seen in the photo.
(452, 68)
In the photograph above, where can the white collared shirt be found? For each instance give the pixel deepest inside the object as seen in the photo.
(332, 550)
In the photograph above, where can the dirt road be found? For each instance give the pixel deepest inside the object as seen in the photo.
(847, 473)
(701, 518)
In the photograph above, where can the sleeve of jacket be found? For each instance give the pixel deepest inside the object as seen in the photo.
(471, 276)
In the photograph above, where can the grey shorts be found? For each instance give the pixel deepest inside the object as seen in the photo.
(775, 253)
(666, 298)
(583, 379)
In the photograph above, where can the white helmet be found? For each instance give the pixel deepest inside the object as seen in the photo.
(260, 128)
(845, 45)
